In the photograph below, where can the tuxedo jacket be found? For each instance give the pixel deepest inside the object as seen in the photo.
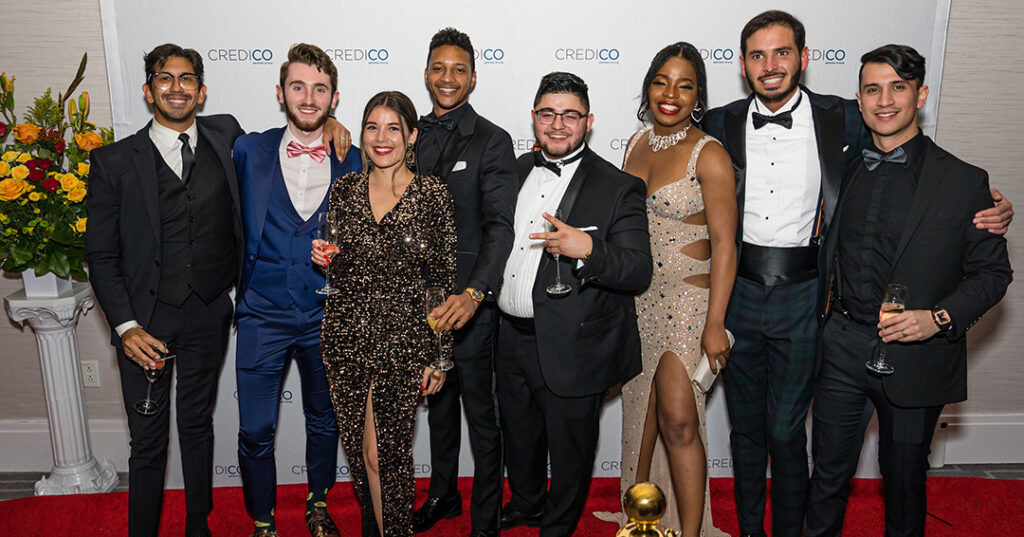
(258, 163)
(838, 130)
(123, 242)
(478, 166)
(588, 341)
(945, 261)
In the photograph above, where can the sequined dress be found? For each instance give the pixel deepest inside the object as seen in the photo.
(671, 315)
(375, 332)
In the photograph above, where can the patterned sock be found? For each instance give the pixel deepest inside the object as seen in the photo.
(316, 499)
(265, 521)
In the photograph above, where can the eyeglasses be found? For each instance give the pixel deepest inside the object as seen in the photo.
(570, 118)
(164, 81)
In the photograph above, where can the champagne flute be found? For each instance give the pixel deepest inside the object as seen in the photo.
(328, 231)
(434, 299)
(893, 304)
(558, 288)
(147, 406)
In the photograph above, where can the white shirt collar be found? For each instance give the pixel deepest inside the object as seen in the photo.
(567, 157)
(168, 137)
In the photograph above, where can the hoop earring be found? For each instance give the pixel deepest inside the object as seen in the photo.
(410, 158)
(695, 110)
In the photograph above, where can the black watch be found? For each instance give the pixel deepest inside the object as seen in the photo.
(942, 319)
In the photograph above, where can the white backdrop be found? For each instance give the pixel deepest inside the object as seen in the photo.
(383, 45)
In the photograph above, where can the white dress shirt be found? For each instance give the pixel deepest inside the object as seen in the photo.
(541, 193)
(783, 177)
(307, 180)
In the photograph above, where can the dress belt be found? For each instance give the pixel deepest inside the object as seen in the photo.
(524, 325)
(769, 265)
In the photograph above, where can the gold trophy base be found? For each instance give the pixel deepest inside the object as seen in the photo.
(644, 504)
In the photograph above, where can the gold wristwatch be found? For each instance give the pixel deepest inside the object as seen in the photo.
(475, 294)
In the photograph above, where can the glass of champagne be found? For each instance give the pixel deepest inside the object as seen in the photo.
(434, 299)
(147, 406)
(558, 288)
(329, 232)
(893, 304)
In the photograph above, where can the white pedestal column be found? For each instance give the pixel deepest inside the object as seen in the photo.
(75, 470)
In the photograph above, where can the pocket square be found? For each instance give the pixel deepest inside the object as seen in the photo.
(460, 165)
(845, 147)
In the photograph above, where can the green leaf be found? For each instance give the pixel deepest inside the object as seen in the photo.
(20, 255)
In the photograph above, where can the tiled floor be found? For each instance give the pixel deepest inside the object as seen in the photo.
(21, 484)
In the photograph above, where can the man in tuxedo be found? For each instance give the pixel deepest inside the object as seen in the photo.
(475, 159)
(162, 252)
(790, 147)
(557, 355)
(284, 179)
(903, 216)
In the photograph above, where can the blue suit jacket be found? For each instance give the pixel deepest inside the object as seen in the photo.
(258, 165)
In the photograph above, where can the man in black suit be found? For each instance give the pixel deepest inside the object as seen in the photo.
(162, 248)
(790, 147)
(475, 159)
(904, 215)
(557, 355)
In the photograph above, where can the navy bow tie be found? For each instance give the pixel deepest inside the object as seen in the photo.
(556, 166)
(428, 122)
(784, 119)
(873, 158)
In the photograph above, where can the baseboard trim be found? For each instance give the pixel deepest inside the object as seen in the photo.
(982, 438)
(25, 444)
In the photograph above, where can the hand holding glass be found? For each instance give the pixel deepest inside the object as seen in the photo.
(435, 298)
(558, 288)
(893, 304)
(328, 231)
(147, 406)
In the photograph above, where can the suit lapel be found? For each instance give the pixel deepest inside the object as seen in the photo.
(828, 133)
(928, 182)
(223, 154)
(144, 161)
(736, 145)
(270, 160)
(456, 144)
(569, 198)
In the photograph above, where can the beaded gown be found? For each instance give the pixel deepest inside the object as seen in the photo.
(670, 315)
(375, 333)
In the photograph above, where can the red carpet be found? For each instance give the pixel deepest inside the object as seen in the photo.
(971, 506)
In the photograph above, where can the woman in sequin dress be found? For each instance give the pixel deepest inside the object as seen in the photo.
(397, 238)
(691, 208)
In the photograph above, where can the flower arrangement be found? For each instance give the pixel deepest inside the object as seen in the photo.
(44, 178)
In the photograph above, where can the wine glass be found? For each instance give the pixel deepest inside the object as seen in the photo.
(147, 406)
(558, 288)
(434, 299)
(328, 231)
(893, 304)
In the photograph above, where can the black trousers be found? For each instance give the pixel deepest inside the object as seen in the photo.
(473, 379)
(539, 424)
(198, 334)
(845, 397)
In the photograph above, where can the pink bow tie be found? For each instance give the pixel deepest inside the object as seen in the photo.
(317, 152)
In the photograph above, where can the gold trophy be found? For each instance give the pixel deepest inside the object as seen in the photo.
(644, 504)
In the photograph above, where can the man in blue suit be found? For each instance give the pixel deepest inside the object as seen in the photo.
(284, 179)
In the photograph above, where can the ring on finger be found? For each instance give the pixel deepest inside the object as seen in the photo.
(903, 332)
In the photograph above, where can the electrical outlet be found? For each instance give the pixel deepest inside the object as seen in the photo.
(90, 374)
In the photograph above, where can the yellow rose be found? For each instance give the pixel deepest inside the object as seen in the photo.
(10, 189)
(33, 196)
(10, 156)
(83, 169)
(77, 195)
(5, 169)
(68, 181)
(26, 133)
(19, 172)
(88, 140)
(24, 157)
(80, 225)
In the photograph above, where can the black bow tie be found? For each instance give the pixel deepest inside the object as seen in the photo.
(428, 122)
(784, 119)
(873, 158)
(556, 166)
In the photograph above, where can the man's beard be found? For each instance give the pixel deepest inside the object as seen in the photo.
(304, 124)
(777, 96)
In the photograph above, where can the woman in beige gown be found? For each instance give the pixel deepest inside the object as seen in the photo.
(691, 208)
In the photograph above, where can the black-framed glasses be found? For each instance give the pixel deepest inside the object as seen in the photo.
(164, 81)
(570, 118)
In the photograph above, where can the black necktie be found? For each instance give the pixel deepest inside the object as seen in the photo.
(188, 158)
(784, 119)
(428, 122)
(556, 166)
(873, 158)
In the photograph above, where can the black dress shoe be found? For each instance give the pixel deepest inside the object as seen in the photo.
(435, 509)
(481, 533)
(511, 518)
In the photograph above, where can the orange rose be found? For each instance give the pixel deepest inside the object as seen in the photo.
(68, 181)
(83, 169)
(77, 195)
(5, 169)
(80, 225)
(20, 172)
(10, 189)
(26, 133)
(88, 140)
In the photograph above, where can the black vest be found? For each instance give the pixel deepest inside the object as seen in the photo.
(198, 249)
